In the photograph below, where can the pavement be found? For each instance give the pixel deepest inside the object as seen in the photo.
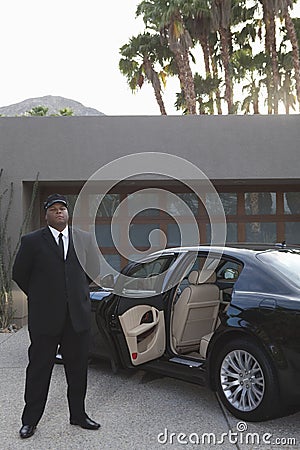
(137, 411)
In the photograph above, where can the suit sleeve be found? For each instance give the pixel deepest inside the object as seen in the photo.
(23, 265)
(93, 260)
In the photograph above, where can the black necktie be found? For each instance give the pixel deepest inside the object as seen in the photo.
(61, 245)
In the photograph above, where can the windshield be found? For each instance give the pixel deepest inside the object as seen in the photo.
(286, 262)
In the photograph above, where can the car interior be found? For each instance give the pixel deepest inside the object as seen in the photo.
(201, 296)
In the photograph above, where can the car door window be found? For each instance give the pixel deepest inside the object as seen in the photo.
(143, 278)
(229, 271)
(227, 275)
(200, 262)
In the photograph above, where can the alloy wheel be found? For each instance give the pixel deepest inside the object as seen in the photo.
(242, 380)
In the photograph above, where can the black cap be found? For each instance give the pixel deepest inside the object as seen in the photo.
(55, 198)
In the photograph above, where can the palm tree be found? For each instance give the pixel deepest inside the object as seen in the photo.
(38, 111)
(270, 8)
(248, 68)
(166, 18)
(291, 31)
(181, 24)
(215, 63)
(66, 112)
(204, 88)
(221, 16)
(199, 25)
(286, 91)
(137, 64)
(273, 8)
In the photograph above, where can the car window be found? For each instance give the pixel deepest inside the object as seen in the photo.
(197, 265)
(202, 261)
(286, 262)
(142, 278)
(151, 268)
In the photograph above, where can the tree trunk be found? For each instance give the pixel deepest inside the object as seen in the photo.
(190, 94)
(153, 77)
(295, 50)
(270, 48)
(274, 61)
(269, 81)
(205, 49)
(159, 100)
(216, 75)
(186, 78)
(206, 55)
(226, 64)
(179, 46)
(255, 106)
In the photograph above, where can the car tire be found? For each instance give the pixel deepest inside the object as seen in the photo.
(246, 381)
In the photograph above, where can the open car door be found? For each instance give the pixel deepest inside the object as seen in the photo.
(141, 310)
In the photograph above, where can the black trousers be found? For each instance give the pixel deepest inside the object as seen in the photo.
(42, 351)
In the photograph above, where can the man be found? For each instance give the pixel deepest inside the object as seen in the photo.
(47, 269)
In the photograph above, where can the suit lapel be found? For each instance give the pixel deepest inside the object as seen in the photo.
(49, 239)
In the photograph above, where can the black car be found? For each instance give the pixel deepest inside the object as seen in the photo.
(228, 318)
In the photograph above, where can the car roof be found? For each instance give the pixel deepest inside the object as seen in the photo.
(234, 251)
(242, 251)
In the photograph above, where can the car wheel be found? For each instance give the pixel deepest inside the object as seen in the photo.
(246, 381)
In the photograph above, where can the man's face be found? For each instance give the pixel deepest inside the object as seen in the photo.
(57, 216)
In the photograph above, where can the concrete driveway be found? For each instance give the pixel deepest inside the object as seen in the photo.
(137, 411)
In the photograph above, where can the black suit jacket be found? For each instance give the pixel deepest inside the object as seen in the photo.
(51, 283)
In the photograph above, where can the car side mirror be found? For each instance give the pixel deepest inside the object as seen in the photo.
(108, 281)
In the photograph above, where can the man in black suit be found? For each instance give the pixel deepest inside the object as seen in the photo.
(47, 269)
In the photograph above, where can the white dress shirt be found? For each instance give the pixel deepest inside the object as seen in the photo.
(65, 238)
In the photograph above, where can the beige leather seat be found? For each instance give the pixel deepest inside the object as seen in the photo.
(196, 311)
(206, 339)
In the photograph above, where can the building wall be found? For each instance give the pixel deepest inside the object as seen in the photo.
(224, 147)
(238, 153)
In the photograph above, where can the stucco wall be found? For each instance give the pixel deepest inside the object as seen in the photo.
(225, 147)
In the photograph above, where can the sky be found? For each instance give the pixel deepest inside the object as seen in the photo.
(70, 48)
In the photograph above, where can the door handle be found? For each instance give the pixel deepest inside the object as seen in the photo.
(140, 329)
(268, 305)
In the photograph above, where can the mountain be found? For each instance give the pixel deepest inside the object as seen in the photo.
(54, 103)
